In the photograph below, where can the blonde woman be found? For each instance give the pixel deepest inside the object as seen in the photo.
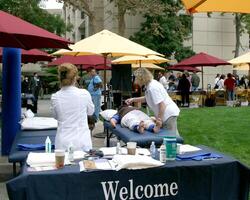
(156, 97)
(70, 106)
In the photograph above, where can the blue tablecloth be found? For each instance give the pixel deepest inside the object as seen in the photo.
(221, 179)
(29, 137)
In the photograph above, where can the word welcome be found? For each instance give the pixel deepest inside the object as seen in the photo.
(111, 191)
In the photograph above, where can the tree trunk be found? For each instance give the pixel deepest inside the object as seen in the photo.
(121, 21)
(92, 24)
(237, 34)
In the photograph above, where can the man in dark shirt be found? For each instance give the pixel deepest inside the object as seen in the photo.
(229, 85)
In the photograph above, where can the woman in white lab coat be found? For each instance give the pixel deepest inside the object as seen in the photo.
(71, 106)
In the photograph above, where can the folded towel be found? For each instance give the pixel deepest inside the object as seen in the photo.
(30, 147)
(198, 156)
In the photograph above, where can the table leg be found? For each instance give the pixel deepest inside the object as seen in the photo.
(14, 169)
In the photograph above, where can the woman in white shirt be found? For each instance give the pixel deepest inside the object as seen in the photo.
(220, 83)
(158, 100)
(70, 107)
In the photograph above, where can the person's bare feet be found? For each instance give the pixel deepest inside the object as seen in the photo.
(113, 123)
(141, 127)
(157, 126)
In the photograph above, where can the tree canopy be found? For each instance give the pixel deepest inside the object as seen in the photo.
(30, 11)
(166, 31)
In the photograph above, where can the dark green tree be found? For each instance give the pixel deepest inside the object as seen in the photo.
(30, 11)
(166, 31)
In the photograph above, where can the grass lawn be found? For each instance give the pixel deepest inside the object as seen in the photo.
(226, 129)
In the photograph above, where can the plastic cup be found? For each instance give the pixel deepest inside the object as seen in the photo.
(59, 157)
(131, 147)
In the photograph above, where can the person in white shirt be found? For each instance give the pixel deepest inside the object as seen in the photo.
(158, 100)
(70, 107)
(163, 80)
(220, 83)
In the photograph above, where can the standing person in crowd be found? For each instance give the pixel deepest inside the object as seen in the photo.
(70, 107)
(25, 91)
(184, 88)
(216, 80)
(195, 81)
(25, 85)
(229, 85)
(158, 100)
(94, 89)
(220, 82)
(163, 80)
(35, 86)
(244, 81)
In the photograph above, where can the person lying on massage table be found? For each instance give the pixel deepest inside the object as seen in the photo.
(135, 120)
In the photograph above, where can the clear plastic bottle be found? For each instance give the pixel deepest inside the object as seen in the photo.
(118, 148)
(153, 150)
(71, 152)
(48, 145)
(163, 153)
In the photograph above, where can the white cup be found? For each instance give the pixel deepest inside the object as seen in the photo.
(59, 157)
(131, 147)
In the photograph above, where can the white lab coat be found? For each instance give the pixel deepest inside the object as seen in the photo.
(70, 106)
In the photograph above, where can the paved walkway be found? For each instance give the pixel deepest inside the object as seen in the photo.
(43, 110)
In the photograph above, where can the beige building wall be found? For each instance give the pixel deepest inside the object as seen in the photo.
(215, 35)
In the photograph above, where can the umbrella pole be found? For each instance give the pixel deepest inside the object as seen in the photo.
(249, 70)
(81, 71)
(202, 86)
(140, 63)
(104, 81)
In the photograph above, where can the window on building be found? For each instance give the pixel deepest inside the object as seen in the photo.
(82, 36)
(82, 15)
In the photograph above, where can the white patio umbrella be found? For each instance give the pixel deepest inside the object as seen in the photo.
(106, 43)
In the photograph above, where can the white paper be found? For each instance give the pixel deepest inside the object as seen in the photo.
(79, 154)
(43, 159)
(82, 168)
(185, 148)
(102, 164)
(110, 151)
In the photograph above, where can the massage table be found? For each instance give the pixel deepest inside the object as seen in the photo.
(28, 137)
(126, 135)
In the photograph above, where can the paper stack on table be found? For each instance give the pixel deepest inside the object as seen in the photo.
(37, 160)
(135, 162)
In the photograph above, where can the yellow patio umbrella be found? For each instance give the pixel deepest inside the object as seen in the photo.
(107, 44)
(140, 59)
(244, 67)
(240, 6)
(241, 62)
(149, 66)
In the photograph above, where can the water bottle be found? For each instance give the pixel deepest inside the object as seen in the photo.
(163, 153)
(152, 149)
(48, 145)
(171, 146)
(70, 152)
(118, 148)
